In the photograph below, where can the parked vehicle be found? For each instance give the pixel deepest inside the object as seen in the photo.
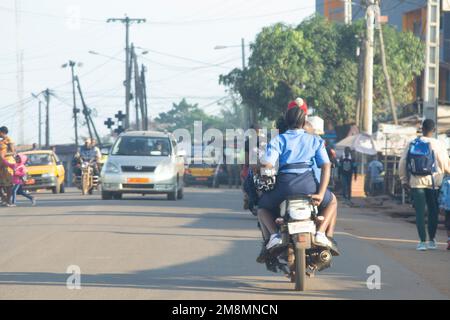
(202, 172)
(300, 257)
(45, 171)
(143, 162)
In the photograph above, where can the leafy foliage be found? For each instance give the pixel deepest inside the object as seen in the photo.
(317, 60)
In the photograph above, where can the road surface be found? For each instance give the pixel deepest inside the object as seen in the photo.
(203, 247)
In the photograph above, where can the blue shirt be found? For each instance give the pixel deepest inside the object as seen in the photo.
(296, 146)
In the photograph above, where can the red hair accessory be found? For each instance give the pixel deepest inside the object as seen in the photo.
(299, 102)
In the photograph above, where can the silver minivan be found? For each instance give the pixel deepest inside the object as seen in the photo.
(143, 162)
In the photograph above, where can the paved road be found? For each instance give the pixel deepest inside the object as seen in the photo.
(202, 247)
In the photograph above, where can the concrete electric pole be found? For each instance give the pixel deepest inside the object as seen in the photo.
(348, 12)
(47, 118)
(127, 21)
(367, 102)
(431, 73)
(72, 65)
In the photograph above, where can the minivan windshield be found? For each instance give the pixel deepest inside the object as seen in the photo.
(141, 146)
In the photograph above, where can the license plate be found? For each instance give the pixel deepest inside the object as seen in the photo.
(201, 179)
(301, 227)
(138, 180)
(201, 172)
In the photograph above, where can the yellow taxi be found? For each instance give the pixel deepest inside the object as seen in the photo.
(45, 171)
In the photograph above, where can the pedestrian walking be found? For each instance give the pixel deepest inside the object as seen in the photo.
(7, 150)
(347, 169)
(375, 171)
(18, 178)
(422, 167)
(444, 205)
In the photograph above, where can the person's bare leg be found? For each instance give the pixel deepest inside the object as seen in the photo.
(332, 225)
(266, 220)
(328, 213)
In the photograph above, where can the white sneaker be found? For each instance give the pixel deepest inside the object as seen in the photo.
(275, 240)
(432, 245)
(422, 246)
(322, 240)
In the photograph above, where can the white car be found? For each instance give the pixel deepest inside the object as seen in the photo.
(143, 162)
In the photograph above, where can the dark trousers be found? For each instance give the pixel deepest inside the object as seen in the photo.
(425, 198)
(18, 190)
(233, 175)
(346, 186)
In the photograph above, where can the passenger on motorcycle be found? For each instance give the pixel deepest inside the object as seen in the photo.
(296, 152)
(89, 153)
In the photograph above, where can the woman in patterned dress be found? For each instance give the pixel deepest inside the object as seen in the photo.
(7, 150)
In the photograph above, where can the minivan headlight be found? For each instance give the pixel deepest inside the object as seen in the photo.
(111, 167)
(164, 171)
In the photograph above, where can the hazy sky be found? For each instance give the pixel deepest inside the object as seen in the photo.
(181, 35)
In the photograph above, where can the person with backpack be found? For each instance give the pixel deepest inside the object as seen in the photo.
(422, 168)
(444, 204)
(347, 168)
(19, 178)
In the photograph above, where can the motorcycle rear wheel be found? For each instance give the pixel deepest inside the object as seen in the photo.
(300, 268)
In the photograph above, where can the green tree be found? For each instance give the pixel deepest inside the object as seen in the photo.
(182, 116)
(317, 60)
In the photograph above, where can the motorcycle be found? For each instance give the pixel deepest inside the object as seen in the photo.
(87, 182)
(300, 256)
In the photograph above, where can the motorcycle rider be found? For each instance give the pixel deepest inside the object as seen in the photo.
(294, 150)
(90, 153)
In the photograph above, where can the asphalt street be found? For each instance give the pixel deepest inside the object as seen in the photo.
(202, 247)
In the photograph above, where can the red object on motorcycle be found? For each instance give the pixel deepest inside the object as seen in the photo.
(304, 240)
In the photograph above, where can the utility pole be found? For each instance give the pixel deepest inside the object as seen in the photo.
(384, 65)
(360, 87)
(127, 21)
(137, 89)
(431, 73)
(87, 115)
(367, 105)
(144, 97)
(36, 96)
(72, 65)
(40, 124)
(47, 117)
(348, 12)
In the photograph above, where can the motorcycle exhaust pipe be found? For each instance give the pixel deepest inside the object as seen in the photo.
(325, 256)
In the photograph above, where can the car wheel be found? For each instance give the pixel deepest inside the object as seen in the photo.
(56, 189)
(62, 189)
(117, 196)
(106, 195)
(173, 196)
(180, 193)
